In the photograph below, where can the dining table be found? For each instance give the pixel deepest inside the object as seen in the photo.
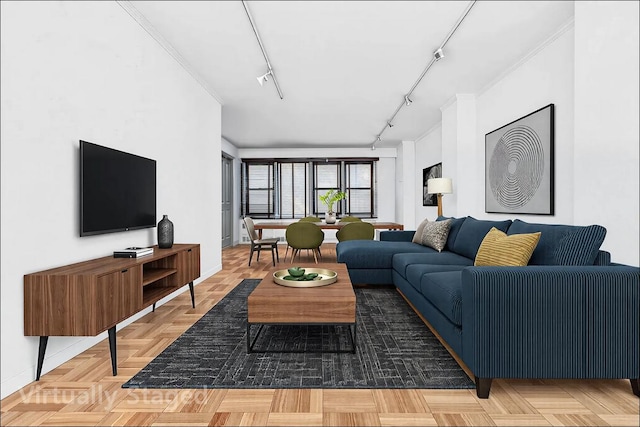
(282, 225)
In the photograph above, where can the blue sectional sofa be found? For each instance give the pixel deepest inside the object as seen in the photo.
(570, 313)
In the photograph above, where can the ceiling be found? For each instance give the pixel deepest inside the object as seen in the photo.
(345, 66)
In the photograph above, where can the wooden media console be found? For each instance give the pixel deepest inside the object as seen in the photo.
(90, 297)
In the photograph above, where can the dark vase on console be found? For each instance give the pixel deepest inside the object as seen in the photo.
(165, 233)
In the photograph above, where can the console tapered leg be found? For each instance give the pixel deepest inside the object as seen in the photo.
(193, 296)
(483, 386)
(112, 349)
(41, 350)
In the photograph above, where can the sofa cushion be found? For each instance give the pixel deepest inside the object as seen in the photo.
(471, 233)
(563, 244)
(434, 261)
(417, 237)
(454, 228)
(414, 272)
(501, 250)
(444, 291)
(434, 234)
(374, 253)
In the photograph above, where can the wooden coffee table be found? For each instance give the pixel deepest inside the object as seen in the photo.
(273, 304)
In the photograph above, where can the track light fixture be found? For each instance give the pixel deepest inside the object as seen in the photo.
(438, 54)
(263, 78)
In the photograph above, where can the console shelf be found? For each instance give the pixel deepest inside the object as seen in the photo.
(90, 297)
(151, 275)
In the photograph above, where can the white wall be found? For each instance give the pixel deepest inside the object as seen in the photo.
(87, 70)
(545, 78)
(589, 70)
(606, 123)
(428, 153)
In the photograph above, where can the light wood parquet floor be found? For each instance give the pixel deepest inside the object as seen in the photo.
(83, 392)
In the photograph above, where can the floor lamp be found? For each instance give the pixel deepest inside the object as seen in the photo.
(439, 186)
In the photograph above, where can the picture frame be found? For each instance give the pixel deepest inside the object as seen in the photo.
(434, 171)
(519, 165)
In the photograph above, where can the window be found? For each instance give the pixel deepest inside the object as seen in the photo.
(326, 176)
(359, 187)
(284, 189)
(258, 190)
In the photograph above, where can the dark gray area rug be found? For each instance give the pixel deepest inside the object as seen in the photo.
(395, 350)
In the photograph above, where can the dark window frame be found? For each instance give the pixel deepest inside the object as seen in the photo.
(311, 191)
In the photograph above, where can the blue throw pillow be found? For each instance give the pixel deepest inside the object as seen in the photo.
(454, 228)
(581, 246)
(563, 244)
(471, 233)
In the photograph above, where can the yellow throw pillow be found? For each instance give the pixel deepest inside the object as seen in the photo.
(498, 249)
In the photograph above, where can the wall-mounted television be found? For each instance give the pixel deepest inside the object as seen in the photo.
(117, 190)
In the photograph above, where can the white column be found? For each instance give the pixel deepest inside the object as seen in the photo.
(460, 154)
(406, 200)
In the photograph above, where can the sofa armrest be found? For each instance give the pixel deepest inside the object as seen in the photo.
(397, 235)
(551, 321)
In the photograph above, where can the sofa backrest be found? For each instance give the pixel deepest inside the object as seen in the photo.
(454, 228)
(470, 235)
(603, 258)
(563, 244)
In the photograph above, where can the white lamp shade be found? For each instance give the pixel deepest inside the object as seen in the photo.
(439, 186)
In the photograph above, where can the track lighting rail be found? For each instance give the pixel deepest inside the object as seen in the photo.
(438, 54)
(264, 52)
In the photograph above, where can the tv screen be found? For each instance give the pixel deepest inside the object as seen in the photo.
(117, 190)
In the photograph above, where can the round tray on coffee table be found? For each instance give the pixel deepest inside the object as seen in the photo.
(327, 277)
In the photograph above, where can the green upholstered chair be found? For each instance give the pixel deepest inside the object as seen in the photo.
(305, 219)
(350, 219)
(357, 230)
(260, 244)
(304, 235)
(310, 219)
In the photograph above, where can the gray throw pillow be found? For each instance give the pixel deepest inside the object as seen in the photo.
(417, 236)
(434, 234)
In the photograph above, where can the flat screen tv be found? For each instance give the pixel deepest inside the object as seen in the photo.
(117, 190)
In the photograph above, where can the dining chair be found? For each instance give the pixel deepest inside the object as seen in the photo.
(350, 219)
(310, 219)
(305, 219)
(357, 230)
(260, 244)
(304, 235)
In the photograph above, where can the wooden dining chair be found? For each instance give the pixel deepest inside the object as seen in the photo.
(258, 244)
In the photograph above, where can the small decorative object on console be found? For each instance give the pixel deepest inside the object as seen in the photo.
(133, 252)
(165, 233)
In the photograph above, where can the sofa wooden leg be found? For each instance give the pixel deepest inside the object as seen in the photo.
(635, 386)
(483, 385)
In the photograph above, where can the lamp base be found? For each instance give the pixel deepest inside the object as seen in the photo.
(439, 204)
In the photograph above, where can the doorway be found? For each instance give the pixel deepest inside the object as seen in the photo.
(227, 201)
